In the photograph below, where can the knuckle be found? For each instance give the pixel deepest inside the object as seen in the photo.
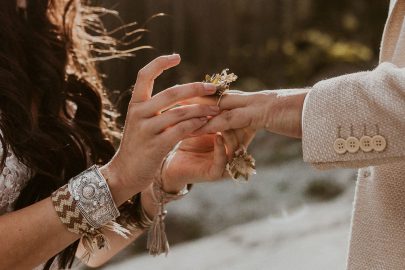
(180, 113)
(145, 127)
(228, 115)
(142, 73)
(205, 109)
(161, 59)
(172, 93)
(182, 129)
(159, 62)
(198, 87)
(195, 123)
(134, 109)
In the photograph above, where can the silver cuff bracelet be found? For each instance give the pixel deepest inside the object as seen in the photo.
(93, 197)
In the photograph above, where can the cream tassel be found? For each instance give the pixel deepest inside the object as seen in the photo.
(157, 239)
(118, 229)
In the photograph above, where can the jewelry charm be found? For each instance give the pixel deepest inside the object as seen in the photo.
(242, 164)
(222, 81)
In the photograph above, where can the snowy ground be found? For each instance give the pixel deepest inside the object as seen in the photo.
(267, 224)
(314, 238)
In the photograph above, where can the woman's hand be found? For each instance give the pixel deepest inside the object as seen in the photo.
(276, 111)
(149, 135)
(194, 160)
(202, 159)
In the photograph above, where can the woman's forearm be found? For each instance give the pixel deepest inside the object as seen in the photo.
(118, 243)
(36, 233)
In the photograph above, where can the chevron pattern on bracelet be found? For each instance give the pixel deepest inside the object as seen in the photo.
(68, 212)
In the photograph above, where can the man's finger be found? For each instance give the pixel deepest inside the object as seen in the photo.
(230, 100)
(227, 120)
(146, 76)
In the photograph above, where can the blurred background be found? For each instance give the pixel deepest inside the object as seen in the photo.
(289, 216)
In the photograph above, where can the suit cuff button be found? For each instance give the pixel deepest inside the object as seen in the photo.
(352, 145)
(340, 146)
(379, 143)
(366, 144)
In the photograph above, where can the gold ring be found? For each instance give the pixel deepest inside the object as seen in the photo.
(219, 100)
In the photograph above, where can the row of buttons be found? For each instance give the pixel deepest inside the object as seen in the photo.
(367, 144)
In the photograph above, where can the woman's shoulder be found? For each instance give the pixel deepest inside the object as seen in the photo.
(13, 178)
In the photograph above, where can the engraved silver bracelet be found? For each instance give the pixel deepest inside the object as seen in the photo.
(93, 197)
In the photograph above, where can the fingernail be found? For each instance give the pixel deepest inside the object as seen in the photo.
(210, 88)
(173, 57)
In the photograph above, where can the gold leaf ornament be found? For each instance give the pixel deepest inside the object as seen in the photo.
(222, 80)
(242, 164)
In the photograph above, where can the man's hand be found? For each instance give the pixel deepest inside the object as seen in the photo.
(276, 111)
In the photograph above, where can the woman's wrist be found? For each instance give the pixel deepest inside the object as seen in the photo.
(119, 191)
(148, 204)
(171, 184)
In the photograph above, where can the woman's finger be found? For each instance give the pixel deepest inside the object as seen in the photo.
(176, 94)
(231, 143)
(146, 76)
(174, 116)
(182, 130)
(220, 159)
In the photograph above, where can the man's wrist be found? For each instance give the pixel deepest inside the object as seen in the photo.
(284, 112)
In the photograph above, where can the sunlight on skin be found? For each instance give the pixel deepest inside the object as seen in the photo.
(278, 111)
(290, 92)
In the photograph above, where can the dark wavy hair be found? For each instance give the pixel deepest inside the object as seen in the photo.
(47, 64)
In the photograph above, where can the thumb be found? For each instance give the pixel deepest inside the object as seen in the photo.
(220, 158)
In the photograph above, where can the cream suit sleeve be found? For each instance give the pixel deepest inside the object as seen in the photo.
(356, 120)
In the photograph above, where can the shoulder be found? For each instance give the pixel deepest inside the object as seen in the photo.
(13, 177)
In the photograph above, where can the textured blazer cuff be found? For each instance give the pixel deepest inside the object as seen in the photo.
(355, 106)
